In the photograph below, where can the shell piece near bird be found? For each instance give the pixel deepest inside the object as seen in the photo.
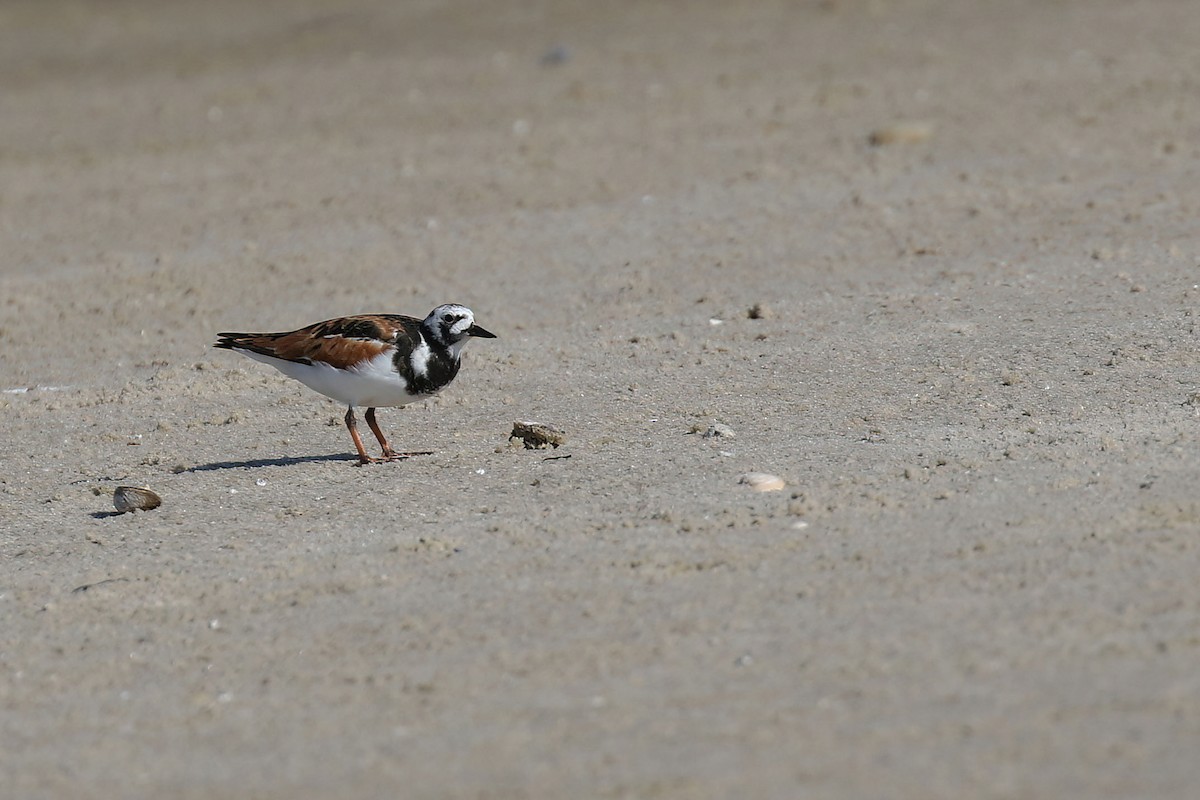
(135, 498)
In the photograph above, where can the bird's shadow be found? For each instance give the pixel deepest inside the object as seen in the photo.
(257, 462)
(271, 462)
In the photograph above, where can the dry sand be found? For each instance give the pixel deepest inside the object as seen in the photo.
(978, 375)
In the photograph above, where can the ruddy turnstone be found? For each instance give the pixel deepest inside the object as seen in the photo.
(372, 360)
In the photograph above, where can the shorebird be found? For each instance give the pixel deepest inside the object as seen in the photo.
(371, 360)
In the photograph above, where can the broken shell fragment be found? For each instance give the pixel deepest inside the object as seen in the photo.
(719, 430)
(762, 481)
(134, 498)
(537, 435)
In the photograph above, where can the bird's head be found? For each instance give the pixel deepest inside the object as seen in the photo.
(451, 325)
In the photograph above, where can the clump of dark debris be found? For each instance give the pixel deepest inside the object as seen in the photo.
(537, 435)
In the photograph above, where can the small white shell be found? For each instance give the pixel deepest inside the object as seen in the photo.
(134, 498)
(762, 481)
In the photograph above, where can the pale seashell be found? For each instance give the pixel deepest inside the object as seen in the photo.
(135, 498)
(762, 481)
(901, 133)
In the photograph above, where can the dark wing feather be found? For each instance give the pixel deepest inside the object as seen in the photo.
(341, 342)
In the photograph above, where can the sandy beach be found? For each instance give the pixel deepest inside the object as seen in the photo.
(933, 264)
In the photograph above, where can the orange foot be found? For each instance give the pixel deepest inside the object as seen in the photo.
(391, 455)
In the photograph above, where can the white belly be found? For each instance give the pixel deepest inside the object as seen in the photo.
(374, 383)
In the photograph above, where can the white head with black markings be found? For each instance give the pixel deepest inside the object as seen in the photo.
(451, 325)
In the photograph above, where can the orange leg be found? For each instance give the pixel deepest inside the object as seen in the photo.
(351, 425)
(388, 453)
